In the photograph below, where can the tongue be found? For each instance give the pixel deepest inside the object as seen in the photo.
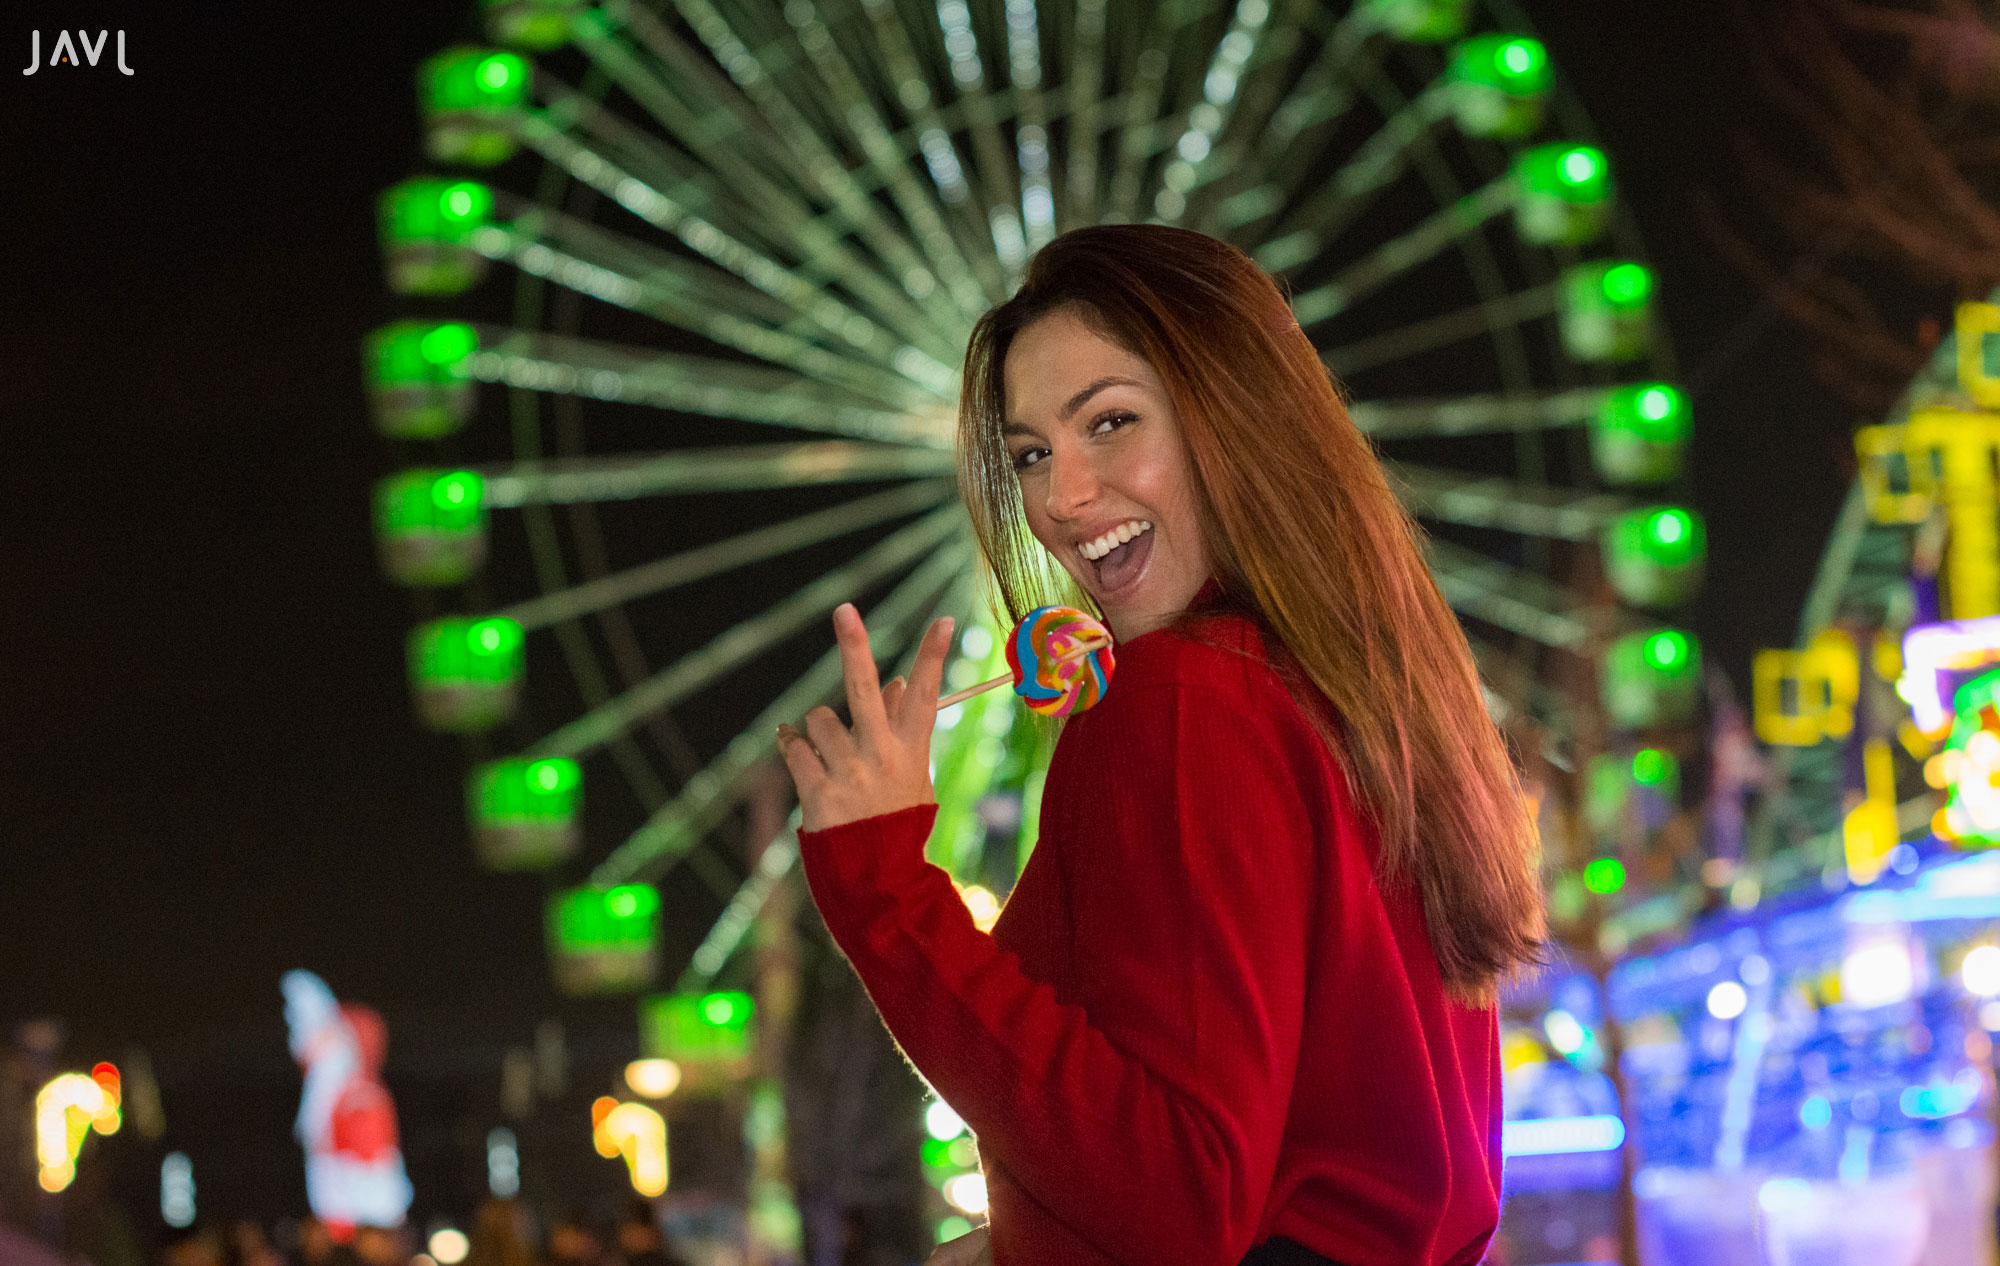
(1115, 568)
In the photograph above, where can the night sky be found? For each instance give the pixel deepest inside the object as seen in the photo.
(208, 768)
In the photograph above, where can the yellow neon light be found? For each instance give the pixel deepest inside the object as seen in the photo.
(1869, 831)
(1974, 322)
(1948, 459)
(637, 1133)
(67, 1109)
(1825, 679)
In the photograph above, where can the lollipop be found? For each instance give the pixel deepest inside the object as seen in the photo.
(1061, 662)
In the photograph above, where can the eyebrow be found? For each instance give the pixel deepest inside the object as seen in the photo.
(1074, 403)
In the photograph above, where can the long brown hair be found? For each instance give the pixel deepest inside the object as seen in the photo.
(1303, 533)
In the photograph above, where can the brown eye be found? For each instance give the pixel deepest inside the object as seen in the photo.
(1113, 420)
(1027, 457)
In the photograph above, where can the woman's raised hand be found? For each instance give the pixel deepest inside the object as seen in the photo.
(967, 1250)
(883, 763)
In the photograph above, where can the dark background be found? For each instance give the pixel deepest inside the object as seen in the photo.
(208, 768)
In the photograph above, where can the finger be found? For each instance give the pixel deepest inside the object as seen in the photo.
(893, 695)
(837, 748)
(927, 676)
(857, 669)
(807, 770)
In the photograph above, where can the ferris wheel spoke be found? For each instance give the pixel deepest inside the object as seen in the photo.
(804, 153)
(1502, 313)
(679, 825)
(978, 108)
(1478, 415)
(647, 185)
(943, 162)
(726, 555)
(1508, 504)
(1142, 95)
(1401, 254)
(1084, 63)
(777, 860)
(857, 113)
(1031, 136)
(1283, 142)
(1512, 598)
(1193, 132)
(693, 384)
(566, 481)
(621, 272)
(1441, 331)
(750, 638)
(781, 855)
(1383, 158)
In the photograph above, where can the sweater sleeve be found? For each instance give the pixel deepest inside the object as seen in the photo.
(1147, 1120)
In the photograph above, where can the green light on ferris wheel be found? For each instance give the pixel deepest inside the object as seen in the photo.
(1581, 165)
(553, 775)
(1651, 767)
(1668, 526)
(1667, 650)
(461, 490)
(464, 201)
(497, 71)
(1657, 403)
(1627, 285)
(449, 344)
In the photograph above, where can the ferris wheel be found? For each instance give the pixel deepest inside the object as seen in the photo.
(746, 242)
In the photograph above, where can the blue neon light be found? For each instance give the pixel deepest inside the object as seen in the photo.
(1932, 1103)
(1552, 1136)
(1816, 1113)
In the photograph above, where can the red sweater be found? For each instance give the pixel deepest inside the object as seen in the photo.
(1199, 1022)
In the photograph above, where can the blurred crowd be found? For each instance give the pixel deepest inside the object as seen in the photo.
(503, 1234)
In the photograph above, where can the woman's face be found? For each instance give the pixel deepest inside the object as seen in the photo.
(1105, 478)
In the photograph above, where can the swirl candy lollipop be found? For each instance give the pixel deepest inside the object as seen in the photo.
(1061, 662)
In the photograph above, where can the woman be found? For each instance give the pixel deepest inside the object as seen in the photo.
(1241, 998)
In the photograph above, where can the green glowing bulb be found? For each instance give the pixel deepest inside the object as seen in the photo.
(459, 489)
(1521, 61)
(1581, 165)
(622, 903)
(1604, 876)
(1656, 404)
(458, 204)
(496, 73)
(1627, 285)
(1668, 527)
(1649, 766)
(449, 344)
(718, 1009)
(1666, 651)
(547, 775)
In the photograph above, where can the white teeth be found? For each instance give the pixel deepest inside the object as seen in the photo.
(1111, 540)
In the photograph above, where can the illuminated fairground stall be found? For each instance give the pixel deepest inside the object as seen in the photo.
(1808, 1067)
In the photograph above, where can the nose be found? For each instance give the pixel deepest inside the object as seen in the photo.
(1072, 484)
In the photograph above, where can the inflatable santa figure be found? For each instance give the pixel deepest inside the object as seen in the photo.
(347, 1122)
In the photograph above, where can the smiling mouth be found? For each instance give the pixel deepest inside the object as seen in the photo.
(1121, 563)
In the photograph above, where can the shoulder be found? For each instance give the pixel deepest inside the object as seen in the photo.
(1222, 652)
(1221, 678)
